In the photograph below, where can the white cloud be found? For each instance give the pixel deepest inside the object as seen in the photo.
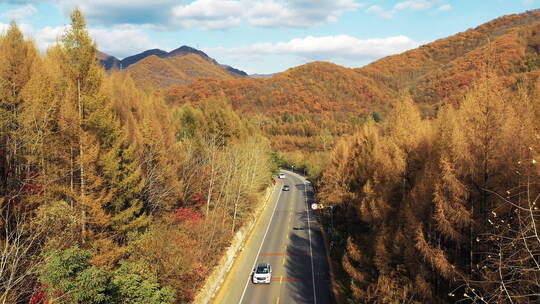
(209, 14)
(3, 28)
(378, 10)
(416, 4)
(219, 14)
(43, 38)
(297, 13)
(122, 42)
(20, 12)
(328, 48)
(442, 8)
(114, 12)
(48, 36)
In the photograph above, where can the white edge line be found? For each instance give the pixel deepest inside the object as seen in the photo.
(310, 250)
(260, 247)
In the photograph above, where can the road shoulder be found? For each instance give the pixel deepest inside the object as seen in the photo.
(248, 231)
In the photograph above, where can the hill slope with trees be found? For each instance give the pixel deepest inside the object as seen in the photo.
(439, 71)
(104, 188)
(158, 69)
(324, 100)
(161, 73)
(429, 160)
(440, 210)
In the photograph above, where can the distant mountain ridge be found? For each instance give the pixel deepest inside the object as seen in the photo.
(436, 73)
(161, 69)
(126, 62)
(443, 70)
(107, 61)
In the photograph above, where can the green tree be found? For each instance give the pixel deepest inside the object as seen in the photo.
(70, 278)
(123, 184)
(62, 268)
(93, 286)
(135, 286)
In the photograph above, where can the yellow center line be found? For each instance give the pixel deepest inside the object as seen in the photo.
(283, 261)
(277, 301)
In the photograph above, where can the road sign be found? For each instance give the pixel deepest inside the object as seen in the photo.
(314, 206)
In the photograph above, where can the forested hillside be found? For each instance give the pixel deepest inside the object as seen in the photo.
(301, 110)
(440, 210)
(439, 72)
(158, 70)
(162, 73)
(126, 187)
(108, 195)
(308, 107)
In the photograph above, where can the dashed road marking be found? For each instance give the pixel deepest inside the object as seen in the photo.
(260, 247)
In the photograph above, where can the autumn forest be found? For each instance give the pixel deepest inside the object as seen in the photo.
(127, 187)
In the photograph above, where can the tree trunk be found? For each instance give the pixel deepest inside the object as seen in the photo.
(81, 161)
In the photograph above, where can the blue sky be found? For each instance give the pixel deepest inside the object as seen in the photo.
(261, 36)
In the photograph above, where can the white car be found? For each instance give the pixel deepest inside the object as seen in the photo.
(262, 274)
(282, 175)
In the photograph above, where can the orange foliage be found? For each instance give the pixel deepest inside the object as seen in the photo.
(160, 73)
(440, 71)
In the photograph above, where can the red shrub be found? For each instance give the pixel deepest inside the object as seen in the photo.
(188, 215)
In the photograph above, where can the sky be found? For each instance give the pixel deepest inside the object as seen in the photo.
(260, 36)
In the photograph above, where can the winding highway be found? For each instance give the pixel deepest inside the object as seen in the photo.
(287, 235)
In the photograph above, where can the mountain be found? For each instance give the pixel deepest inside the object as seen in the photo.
(159, 69)
(306, 102)
(316, 87)
(186, 50)
(433, 73)
(109, 62)
(156, 72)
(441, 70)
(294, 107)
(235, 71)
(126, 62)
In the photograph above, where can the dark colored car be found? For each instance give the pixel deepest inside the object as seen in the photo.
(286, 188)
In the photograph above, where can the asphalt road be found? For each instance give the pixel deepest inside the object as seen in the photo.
(288, 236)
